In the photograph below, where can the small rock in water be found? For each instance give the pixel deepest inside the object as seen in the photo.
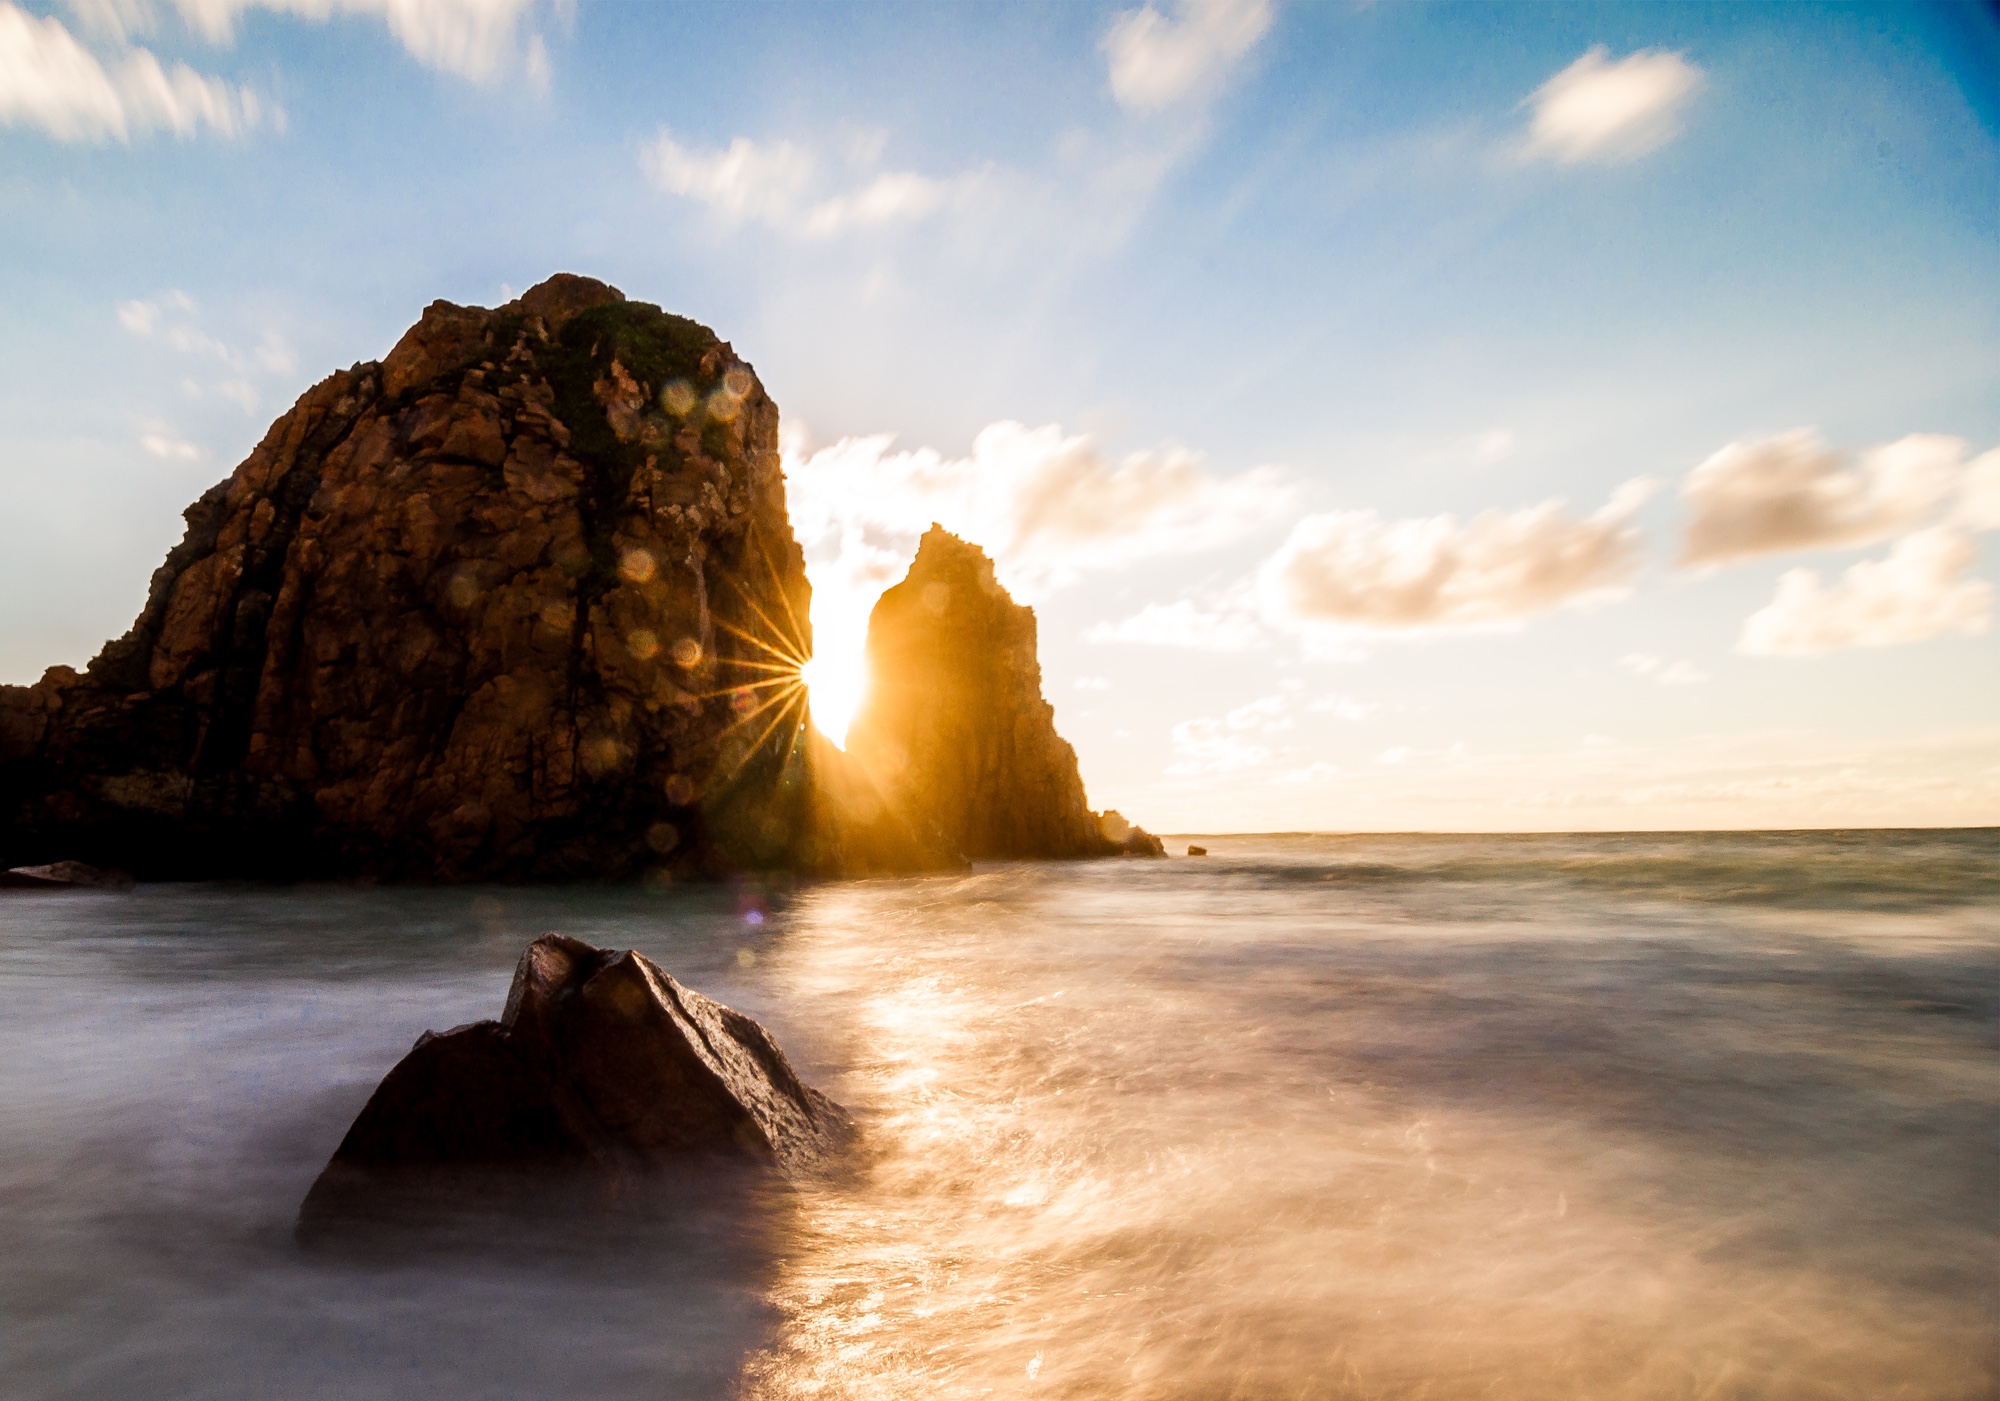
(1197, 851)
(601, 1061)
(1140, 842)
(62, 875)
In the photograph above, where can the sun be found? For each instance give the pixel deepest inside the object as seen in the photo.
(835, 681)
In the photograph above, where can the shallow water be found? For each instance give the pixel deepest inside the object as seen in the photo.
(1694, 1116)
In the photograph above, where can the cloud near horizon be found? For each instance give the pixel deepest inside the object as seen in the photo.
(1231, 742)
(1610, 111)
(1156, 59)
(1354, 569)
(50, 81)
(1920, 590)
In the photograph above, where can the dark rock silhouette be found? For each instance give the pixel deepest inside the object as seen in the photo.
(601, 1062)
(521, 601)
(1197, 851)
(954, 730)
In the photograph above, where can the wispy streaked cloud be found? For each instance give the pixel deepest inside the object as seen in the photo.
(165, 445)
(1920, 590)
(50, 81)
(1610, 110)
(476, 39)
(800, 190)
(1159, 58)
(170, 320)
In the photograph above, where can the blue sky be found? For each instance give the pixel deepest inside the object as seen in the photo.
(1400, 416)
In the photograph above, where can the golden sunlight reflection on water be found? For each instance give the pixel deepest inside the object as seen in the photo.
(1162, 1144)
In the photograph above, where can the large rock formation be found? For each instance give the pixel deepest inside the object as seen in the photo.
(954, 730)
(600, 1062)
(520, 601)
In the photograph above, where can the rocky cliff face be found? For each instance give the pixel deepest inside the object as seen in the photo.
(955, 731)
(521, 601)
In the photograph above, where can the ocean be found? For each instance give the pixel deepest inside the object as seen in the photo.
(1632, 1116)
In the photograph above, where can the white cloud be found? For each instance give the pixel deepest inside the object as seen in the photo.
(1343, 707)
(1485, 449)
(1185, 624)
(476, 39)
(240, 392)
(49, 80)
(1092, 683)
(169, 320)
(1919, 590)
(1157, 60)
(173, 449)
(114, 20)
(1680, 673)
(796, 190)
(1979, 493)
(1352, 568)
(1311, 773)
(1228, 743)
(1048, 506)
(1793, 492)
(1600, 110)
(748, 180)
(890, 198)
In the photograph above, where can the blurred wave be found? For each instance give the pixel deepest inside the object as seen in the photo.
(1876, 870)
(1522, 1118)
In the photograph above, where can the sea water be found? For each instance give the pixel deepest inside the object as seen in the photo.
(1512, 1117)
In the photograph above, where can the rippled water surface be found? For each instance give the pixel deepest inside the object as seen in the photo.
(1701, 1116)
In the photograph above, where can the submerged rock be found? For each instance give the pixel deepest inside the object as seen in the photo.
(600, 1062)
(954, 730)
(520, 601)
(1128, 839)
(63, 875)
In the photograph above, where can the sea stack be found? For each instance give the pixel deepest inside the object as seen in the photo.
(520, 601)
(954, 730)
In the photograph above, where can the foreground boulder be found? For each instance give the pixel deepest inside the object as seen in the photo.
(601, 1062)
(955, 731)
(520, 601)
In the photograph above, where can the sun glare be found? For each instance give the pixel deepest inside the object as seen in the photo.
(834, 681)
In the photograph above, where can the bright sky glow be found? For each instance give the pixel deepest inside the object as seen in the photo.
(1399, 416)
